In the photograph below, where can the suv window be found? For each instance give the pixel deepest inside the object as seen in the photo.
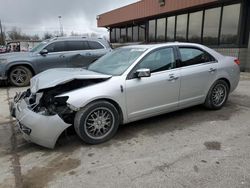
(95, 45)
(159, 60)
(56, 47)
(194, 56)
(76, 45)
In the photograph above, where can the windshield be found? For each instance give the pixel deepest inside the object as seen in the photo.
(116, 62)
(40, 46)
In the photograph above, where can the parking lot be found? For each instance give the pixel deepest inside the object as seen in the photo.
(194, 147)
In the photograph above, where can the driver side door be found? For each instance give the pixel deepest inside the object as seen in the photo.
(158, 93)
(55, 58)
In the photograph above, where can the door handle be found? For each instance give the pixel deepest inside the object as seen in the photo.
(172, 77)
(211, 70)
(88, 54)
(61, 56)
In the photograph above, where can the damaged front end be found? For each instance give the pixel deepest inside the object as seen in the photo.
(43, 116)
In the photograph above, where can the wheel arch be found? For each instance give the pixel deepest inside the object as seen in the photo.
(226, 80)
(27, 65)
(113, 102)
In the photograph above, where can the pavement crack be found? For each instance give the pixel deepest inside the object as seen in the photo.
(15, 162)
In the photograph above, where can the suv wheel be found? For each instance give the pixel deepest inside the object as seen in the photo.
(20, 76)
(217, 95)
(97, 122)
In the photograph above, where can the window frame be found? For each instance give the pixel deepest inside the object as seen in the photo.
(180, 62)
(131, 75)
(54, 43)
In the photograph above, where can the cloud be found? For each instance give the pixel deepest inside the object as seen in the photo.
(37, 17)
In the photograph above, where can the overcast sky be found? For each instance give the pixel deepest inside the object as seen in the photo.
(38, 16)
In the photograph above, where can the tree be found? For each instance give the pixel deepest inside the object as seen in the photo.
(47, 35)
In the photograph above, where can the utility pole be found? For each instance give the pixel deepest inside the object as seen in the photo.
(2, 37)
(60, 24)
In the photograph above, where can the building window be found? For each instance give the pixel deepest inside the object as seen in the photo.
(117, 35)
(230, 24)
(171, 28)
(112, 35)
(161, 29)
(142, 33)
(151, 31)
(195, 26)
(123, 35)
(181, 27)
(211, 26)
(129, 34)
(135, 34)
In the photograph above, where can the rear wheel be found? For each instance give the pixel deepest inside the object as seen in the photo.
(97, 122)
(217, 95)
(20, 76)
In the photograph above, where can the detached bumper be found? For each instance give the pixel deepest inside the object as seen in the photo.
(37, 128)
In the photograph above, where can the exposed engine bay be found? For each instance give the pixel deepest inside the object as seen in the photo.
(46, 103)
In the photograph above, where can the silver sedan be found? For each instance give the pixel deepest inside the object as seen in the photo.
(128, 84)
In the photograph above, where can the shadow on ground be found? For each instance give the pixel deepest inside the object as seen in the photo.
(167, 123)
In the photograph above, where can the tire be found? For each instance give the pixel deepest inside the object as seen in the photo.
(20, 76)
(91, 129)
(217, 95)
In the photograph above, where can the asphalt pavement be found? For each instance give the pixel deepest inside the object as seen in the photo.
(190, 148)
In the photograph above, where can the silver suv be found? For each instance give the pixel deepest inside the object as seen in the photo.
(59, 52)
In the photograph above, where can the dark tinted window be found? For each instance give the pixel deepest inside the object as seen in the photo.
(95, 45)
(135, 33)
(129, 37)
(76, 45)
(211, 26)
(117, 34)
(230, 24)
(56, 47)
(194, 56)
(151, 30)
(171, 28)
(112, 35)
(195, 25)
(181, 27)
(161, 29)
(123, 35)
(159, 60)
(142, 32)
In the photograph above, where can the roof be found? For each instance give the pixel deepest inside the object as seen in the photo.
(151, 46)
(146, 8)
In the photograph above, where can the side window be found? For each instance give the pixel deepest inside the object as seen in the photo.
(56, 47)
(159, 60)
(76, 45)
(194, 56)
(95, 45)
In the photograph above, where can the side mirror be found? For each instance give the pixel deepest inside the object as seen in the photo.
(44, 52)
(140, 73)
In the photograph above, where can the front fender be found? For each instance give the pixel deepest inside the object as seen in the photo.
(111, 91)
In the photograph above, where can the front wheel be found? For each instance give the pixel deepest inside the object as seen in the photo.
(97, 122)
(217, 95)
(20, 76)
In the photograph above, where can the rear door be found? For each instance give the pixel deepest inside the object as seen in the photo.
(77, 53)
(198, 72)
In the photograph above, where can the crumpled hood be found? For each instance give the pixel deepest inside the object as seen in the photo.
(59, 76)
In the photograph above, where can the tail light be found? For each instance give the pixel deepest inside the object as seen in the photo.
(237, 61)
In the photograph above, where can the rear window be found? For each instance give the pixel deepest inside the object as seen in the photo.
(76, 45)
(95, 45)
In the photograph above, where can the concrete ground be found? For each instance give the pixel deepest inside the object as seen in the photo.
(189, 148)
